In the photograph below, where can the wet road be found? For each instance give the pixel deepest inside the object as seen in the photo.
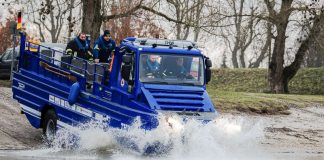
(298, 136)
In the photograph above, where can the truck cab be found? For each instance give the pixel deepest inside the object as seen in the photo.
(167, 76)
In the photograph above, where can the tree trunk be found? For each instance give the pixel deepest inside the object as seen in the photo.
(276, 79)
(91, 18)
(242, 60)
(238, 25)
(277, 60)
(70, 23)
(197, 19)
(234, 56)
(290, 71)
(314, 57)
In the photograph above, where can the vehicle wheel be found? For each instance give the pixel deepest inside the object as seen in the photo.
(49, 126)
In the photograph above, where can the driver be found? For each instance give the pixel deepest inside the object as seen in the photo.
(151, 64)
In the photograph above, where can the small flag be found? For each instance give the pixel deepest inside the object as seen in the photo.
(19, 25)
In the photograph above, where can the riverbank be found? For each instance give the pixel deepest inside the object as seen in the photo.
(248, 102)
(308, 81)
(261, 103)
(297, 136)
(245, 90)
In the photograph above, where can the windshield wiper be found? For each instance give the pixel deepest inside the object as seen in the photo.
(188, 83)
(157, 82)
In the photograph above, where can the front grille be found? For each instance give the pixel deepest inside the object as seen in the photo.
(179, 100)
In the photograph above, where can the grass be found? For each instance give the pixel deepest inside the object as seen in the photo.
(261, 103)
(307, 81)
(242, 90)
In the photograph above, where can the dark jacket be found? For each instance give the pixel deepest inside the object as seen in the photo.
(79, 48)
(176, 70)
(102, 49)
(151, 66)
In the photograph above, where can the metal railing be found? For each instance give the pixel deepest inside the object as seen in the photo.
(91, 71)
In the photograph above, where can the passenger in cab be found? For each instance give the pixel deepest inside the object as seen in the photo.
(79, 47)
(178, 69)
(151, 64)
(103, 48)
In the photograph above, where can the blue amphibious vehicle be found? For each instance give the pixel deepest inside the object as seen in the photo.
(145, 78)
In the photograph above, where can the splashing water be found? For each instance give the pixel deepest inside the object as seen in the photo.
(227, 138)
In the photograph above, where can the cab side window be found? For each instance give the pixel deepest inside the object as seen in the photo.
(132, 76)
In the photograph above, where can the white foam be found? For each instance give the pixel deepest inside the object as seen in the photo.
(228, 138)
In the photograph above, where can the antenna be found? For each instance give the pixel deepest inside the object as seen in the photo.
(154, 45)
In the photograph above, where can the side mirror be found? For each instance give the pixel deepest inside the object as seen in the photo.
(127, 58)
(208, 75)
(208, 63)
(126, 68)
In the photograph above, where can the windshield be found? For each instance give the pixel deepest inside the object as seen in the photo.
(171, 69)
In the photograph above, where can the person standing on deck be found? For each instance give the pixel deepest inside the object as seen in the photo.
(103, 48)
(79, 47)
(102, 52)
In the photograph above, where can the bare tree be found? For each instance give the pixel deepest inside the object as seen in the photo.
(243, 32)
(140, 24)
(49, 16)
(70, 18)
(265, 49)
(279, 76)
(93, 15)
(188, 12)
(315, 56)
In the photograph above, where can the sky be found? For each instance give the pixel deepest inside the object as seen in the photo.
(212, 46)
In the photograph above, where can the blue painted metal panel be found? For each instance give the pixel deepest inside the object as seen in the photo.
(116, 104)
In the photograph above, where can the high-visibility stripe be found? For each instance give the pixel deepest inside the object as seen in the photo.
(112, 62)
(69, 51)
(31, 110)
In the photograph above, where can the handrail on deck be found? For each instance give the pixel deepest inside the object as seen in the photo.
(85, 63)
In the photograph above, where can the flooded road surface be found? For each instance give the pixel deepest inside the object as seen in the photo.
(299, 136)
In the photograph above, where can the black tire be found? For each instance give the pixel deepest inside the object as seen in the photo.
(49, 126)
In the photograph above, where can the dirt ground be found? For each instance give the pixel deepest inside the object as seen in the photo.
(15, 130)
(299, 135)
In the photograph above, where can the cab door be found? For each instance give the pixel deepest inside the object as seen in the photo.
(123, 93)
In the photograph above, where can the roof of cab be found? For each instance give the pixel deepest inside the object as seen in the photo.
(162, 45)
